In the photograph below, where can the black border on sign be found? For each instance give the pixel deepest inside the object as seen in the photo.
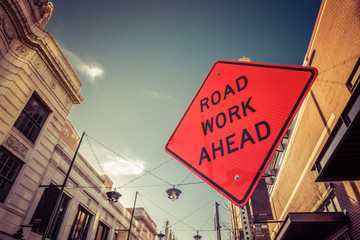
(278, 138)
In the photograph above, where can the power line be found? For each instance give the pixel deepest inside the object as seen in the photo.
(195, 211)
(146, 171)
(185, 178)
(167, 212)
(187, 230)
(191, 183)
(138, 186)
(206, 222)
(102, 170)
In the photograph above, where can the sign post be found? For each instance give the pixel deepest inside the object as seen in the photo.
(235, 122)
(245, 222)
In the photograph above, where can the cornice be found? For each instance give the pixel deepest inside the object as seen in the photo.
(17, 145)
(25, 36)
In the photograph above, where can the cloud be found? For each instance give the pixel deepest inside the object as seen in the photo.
(110, 163)
(119, 166)
(90, 69)
(156, 95)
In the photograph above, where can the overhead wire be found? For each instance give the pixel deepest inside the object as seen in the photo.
(186, 230)
(191, 183)
(138, 186)
(195, 211)
(141, 195)
(206, 222)
(146, 171)
(87, 138)
(185, 179)
(150, 172)
(143, 203)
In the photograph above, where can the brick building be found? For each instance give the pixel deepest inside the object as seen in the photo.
(315, 188)
(38, 88)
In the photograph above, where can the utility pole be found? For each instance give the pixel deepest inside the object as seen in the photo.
(217, 224)
(132, 216)
(55, 211)
(167, 230)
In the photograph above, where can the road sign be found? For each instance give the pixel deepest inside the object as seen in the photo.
(236, 121)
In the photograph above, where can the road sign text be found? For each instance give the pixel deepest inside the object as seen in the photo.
(235, 141)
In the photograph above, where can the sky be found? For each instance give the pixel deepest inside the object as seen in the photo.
(141, 63)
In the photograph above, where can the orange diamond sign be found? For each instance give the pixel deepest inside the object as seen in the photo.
(236, 121)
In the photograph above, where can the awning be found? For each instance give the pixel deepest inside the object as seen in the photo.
(339, 159)
(313, 226)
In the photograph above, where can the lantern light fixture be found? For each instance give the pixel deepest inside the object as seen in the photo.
(173, 193)
(197, 236)
(113, 196)
(160, 235)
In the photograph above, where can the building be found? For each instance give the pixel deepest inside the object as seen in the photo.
(314, 193)
(147, 226)
(38, 88)
(256, 226)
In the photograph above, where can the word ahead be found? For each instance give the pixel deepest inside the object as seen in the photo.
(236, 121)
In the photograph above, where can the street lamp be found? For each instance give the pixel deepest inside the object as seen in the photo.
(161, 235)
(197, 236)
(173, 193)
(113, 196)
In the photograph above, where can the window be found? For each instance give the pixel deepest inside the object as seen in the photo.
(258, 230)
(32, 118)
(332, 205)
(354, 77)
(44, 210)
(81, 224)
(278, 158)
(101, 232)
(9, 169)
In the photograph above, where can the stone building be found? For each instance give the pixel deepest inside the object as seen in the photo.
(148, 227)
(38, 88)
(314, 191)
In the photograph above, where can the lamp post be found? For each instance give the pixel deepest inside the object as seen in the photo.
(56, 208)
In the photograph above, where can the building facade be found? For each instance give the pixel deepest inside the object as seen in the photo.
(314, 189)
(147, 226)
(38, 88)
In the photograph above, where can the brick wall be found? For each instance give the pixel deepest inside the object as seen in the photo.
(337, 49)
(349, 197)
(336, 44)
